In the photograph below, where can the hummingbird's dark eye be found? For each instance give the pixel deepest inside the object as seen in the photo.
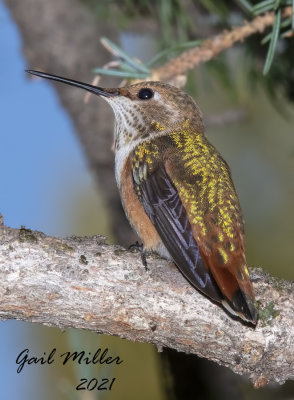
(145, 94)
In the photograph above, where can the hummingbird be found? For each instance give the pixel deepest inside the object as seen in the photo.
(177, 190)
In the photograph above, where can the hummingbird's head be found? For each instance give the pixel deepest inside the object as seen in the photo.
(148, 109)
(144, 110)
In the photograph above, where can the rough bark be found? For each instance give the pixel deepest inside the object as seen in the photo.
(85, 283)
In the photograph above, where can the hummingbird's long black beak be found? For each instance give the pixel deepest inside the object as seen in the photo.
(90, 88)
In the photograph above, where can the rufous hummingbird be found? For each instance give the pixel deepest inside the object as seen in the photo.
(177, 190)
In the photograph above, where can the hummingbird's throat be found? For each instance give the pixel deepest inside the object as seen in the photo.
(129, 123)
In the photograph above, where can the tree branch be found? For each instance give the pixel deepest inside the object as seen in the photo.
(213, 46)
(85, 283)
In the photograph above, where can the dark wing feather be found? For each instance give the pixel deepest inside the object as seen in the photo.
(163, 206)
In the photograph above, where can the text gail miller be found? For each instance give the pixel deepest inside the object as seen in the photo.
(100, 357)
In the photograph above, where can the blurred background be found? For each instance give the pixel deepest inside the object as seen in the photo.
(56, 169)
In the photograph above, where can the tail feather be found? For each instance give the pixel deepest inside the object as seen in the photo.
(242, 305)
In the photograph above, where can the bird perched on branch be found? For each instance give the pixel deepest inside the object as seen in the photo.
(177, 190)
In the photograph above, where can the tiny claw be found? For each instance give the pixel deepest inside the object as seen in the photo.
(140, 248)
(135, 246)
(144, 260)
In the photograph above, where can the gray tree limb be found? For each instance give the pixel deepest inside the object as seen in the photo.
(85, 283)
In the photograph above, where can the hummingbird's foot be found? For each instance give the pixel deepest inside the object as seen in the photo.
(140, 248)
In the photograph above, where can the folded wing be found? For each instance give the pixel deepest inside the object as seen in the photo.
(162, 203)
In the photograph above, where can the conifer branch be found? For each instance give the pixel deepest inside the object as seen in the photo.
(210, 48)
